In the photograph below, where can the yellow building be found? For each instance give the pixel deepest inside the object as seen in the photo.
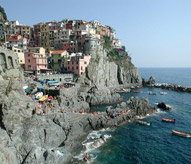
(21, 56)
(45, 37)
(26, 31)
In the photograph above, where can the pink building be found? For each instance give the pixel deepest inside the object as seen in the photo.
(36, 62)
(77, 63)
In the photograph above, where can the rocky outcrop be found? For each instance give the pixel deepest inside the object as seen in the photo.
(173, 87)
(163, 106)
(105, 73)
(149, 82)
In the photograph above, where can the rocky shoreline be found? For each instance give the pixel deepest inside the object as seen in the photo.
(172, 87)
(39, 138)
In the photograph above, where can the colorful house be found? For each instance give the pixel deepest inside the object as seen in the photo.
(21, 56)
(77, 63)
(58, 58)
(36, 61)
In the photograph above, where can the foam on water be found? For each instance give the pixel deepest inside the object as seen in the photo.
(93, 142)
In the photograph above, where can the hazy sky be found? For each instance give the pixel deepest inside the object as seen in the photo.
(156, 33)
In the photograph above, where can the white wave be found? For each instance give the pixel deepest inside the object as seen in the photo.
(140, 117)
(158, 111)
(93, 141)
(106, 136)
(93, 135)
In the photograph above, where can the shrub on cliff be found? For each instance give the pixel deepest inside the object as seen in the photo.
(107, 42)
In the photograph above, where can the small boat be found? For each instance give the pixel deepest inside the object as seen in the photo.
(136, 91)
(52, 82)
(43, 98)
(151, 93)
(40, 88)
(144, 122)
(182, 134)
(38, 95)
(126, 90)
(168, 120)
(163, 93)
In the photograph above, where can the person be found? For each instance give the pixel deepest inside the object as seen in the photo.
(86, 157)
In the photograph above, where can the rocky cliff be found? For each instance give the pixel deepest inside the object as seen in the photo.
(103, 72)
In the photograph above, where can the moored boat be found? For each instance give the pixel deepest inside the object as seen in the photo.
(126, 90)
(144, 122)
(168, 120)
(151, 93)
(136, 91)
(182, 134)
(163, 93)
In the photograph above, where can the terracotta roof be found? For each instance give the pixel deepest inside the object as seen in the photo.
(13, 40)
(58, 51)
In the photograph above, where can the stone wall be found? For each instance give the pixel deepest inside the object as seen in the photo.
(8, 60)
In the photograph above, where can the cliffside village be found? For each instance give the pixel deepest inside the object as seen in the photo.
(59, 47)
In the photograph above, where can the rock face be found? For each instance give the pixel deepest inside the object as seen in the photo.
(163, 106)
(105, 73)
(149, 82)
(102, 75)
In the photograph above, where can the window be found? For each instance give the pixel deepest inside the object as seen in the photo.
(76, 67)
(68, 67)
(29, 60)
(28, 54)
(72, 62)
(81, 68)
(85, 62)
(72, 68)
(15, 51)
(19, 51)
(21, 61)
(29, 66)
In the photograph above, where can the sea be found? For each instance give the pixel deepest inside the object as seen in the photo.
(133, 143)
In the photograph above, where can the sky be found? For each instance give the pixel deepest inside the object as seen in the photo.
(156, 33)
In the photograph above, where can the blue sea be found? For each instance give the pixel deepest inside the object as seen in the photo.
(137, 144)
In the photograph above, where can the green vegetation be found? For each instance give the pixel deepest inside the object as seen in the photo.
(107, 42)
(118, 54)
(2, 12)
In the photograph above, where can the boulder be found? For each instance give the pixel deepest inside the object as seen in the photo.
(163, 106)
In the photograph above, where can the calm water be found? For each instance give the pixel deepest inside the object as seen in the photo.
(135, 144)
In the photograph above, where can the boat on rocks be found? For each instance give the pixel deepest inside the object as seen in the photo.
(182, 134)
(43, 98)
(38, 95)
(143, 122)
(168, 120)
(126, 90)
